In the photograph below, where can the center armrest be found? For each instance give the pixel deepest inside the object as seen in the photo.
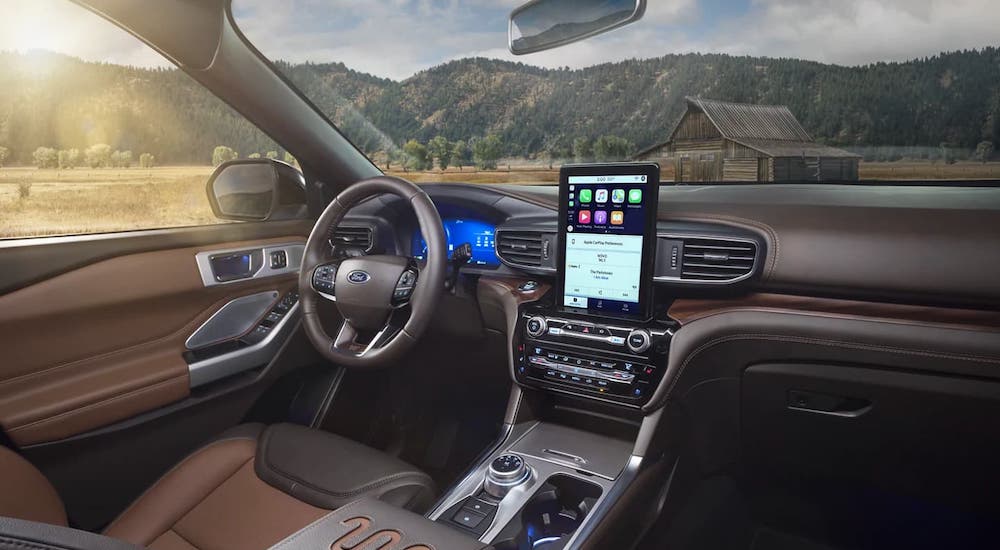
(371, 523)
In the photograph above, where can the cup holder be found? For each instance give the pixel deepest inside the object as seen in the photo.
(551, 516)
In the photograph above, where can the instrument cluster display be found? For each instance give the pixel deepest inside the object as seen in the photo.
(458, 231)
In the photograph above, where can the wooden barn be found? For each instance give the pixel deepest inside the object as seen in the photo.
(721, 141)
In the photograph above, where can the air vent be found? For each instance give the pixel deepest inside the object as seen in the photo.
(717, 260)
(353, 237)
(527, 249)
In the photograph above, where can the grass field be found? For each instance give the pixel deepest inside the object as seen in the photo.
(37, 202)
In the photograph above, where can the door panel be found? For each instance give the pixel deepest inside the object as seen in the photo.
(104, 342)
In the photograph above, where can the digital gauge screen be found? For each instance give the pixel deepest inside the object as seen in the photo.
(458, 231)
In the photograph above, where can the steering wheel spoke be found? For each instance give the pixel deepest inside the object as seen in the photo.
(349, 338)
(324, 280)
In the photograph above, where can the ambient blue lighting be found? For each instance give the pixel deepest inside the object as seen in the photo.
(459, 231)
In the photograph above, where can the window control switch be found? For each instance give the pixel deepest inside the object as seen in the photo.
(279, 259)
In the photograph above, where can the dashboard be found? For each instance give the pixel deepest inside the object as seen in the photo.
(480, 234)
(831, 240)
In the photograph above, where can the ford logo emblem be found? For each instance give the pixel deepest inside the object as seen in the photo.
(358, 277)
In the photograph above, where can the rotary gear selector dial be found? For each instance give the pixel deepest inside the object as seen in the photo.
(505, 472)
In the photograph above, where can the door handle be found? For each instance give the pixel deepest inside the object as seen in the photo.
(824, 403)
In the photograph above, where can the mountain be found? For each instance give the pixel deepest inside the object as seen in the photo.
(57, 101)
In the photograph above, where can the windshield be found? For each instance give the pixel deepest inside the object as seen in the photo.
(713, 90)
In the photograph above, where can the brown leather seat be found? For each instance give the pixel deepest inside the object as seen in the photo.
(249, 489)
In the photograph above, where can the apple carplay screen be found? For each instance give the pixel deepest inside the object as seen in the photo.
(607, 230)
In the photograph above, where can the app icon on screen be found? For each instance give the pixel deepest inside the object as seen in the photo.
(586, 195)
(617, 217)
(600, 216)
(635, 196)
(602, 195)
(618, 196)
(584, 217)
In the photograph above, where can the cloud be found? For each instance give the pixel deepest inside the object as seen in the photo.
(397, 38)
(854, 32)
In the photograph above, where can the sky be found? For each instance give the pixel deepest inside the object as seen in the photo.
(397, 38)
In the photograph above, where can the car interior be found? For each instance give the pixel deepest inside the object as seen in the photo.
(363, 362)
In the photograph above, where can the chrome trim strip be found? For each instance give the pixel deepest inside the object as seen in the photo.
(586, 324)
(232, 320)
(610, 340)
(681, 237)
(244, 359)
(293, 251)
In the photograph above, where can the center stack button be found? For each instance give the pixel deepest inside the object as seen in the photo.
(536, 326)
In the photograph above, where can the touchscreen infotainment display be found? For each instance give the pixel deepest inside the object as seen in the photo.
(608, 229)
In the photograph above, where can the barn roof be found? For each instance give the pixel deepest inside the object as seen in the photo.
(745, 121)
(770, 129)
(778, 148)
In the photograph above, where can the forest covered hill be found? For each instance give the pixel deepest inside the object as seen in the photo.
(51, 100)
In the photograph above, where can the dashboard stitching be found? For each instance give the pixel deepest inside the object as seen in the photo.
(832, 343)
(848, 316)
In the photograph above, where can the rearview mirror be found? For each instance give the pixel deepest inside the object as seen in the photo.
(257, 190)
(545, 24)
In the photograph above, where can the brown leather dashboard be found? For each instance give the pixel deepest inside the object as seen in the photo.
(911, 242)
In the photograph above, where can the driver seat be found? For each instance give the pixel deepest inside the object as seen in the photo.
(249, 489)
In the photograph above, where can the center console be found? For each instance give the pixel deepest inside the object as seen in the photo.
(598, 336)
(586, 354)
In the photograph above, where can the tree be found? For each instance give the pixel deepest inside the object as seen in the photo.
(147, 160)
(415, 155)
(582, 150)
(612, 148)
(4, 155)
(63, 159)
(253, 156)
(98, 156)
(46, 157)
(459, 154)
(121, 159)
(288, 158)
(74, 158)
(984, 151)
(439, 149)
(487, 151)
(396, 156)
(271, 155)
(223, 154)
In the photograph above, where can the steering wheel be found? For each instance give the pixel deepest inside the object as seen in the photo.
(386, 301)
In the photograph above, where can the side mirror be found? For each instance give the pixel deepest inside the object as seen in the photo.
(257, 190)
(546, 24)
